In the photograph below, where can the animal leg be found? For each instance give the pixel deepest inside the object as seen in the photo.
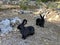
(23, 37)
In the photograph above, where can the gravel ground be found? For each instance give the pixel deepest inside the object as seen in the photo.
(49, 35)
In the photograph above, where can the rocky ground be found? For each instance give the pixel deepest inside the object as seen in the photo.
(49, 35)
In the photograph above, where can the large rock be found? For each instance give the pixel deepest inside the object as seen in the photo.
(15, 21)
(53, 16)
(6, 27)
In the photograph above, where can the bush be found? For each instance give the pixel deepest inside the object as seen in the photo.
(24, 7)
(52, 5)
(44, 0)
(41, 0)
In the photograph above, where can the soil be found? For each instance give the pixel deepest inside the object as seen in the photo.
(49, 35)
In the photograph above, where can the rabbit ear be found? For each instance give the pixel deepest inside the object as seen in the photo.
(41, 16)
(24, 21)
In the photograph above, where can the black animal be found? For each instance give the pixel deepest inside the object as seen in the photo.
(0, 29)
(40, 21)
(26, 31)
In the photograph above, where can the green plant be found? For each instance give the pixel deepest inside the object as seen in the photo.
(52, 5)
(44, 0)
(24, 7)
(41, 0)
(23, 4)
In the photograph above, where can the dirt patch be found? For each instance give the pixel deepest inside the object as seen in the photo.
(43, 36)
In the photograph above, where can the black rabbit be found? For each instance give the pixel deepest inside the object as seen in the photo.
(40, 21)
(26, 31)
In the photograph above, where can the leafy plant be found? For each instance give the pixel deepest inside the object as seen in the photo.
(24, 7)
(23, 4)
(52, 5)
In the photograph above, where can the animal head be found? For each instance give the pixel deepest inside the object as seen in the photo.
(24, 22)
(21, 26)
